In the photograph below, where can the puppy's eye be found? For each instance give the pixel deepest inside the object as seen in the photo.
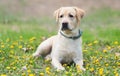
(61, 16)
(71, 16)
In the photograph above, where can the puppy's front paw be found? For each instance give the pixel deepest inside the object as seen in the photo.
(83, 69)
(48, 57)
(61, 68)
(80, 68)
(36, 55)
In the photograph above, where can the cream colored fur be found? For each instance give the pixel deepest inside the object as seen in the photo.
(59, 48)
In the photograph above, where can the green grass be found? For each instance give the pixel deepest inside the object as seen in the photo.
(101, 45)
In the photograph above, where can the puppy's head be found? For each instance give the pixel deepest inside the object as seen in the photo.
(68, 18)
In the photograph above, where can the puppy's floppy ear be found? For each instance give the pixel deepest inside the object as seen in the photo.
(79, 12)
(56, 14)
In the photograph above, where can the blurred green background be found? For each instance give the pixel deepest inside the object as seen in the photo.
(31, 17)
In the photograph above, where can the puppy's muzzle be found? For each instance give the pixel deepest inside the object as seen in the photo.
(64, 26)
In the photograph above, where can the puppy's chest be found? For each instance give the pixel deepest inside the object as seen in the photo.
(66, 49)
(68, 53)
(70, 45)
(69, 49)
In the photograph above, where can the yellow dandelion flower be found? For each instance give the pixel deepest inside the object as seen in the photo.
(47, 68)
(21, 37)
(116, 42)
(3, 58)
(87, 65)
(2, 46)
(0, 51)
(108, 47)
(93, 57)
(107, 72)
(87, 68)
(106, 56)
(48, 72)
(118, 63)
(91, 69)
(14, 68)
(15, 43)
(57, 70)
(31, 61)
(8, 68)
(116, 57)
(31, 75)
(3, 75)
(31, 41)
(96, 60)
(68, 67)
(26, 64)
(29, 71)
(106, 64)
(101, 71)
(20, 46)
(79, 71)
(33, 38)
(116, 74)
(11, 46)
(66, 73)
(104, 50)
(90, 44)
(114, 67)
(7, 40)
(119, 46)
(100, 57)
(95, 42)
(85, 50)
(10, 56)
(11, 52)
(41, 74)
(78, 67)
(64, 65)
(96, 51)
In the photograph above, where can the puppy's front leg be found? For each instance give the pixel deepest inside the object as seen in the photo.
(79, 63)
(44, 48)
(56, 63)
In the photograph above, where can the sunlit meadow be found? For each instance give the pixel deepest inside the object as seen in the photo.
(101, 47)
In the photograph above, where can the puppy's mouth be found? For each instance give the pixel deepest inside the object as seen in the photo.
(66, 30)
(65, 27)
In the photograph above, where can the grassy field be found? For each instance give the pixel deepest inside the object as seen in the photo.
(101, 45)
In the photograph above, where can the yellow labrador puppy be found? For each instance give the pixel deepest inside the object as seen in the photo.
(66, 46)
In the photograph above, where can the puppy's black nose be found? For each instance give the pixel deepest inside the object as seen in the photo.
(64, 26)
